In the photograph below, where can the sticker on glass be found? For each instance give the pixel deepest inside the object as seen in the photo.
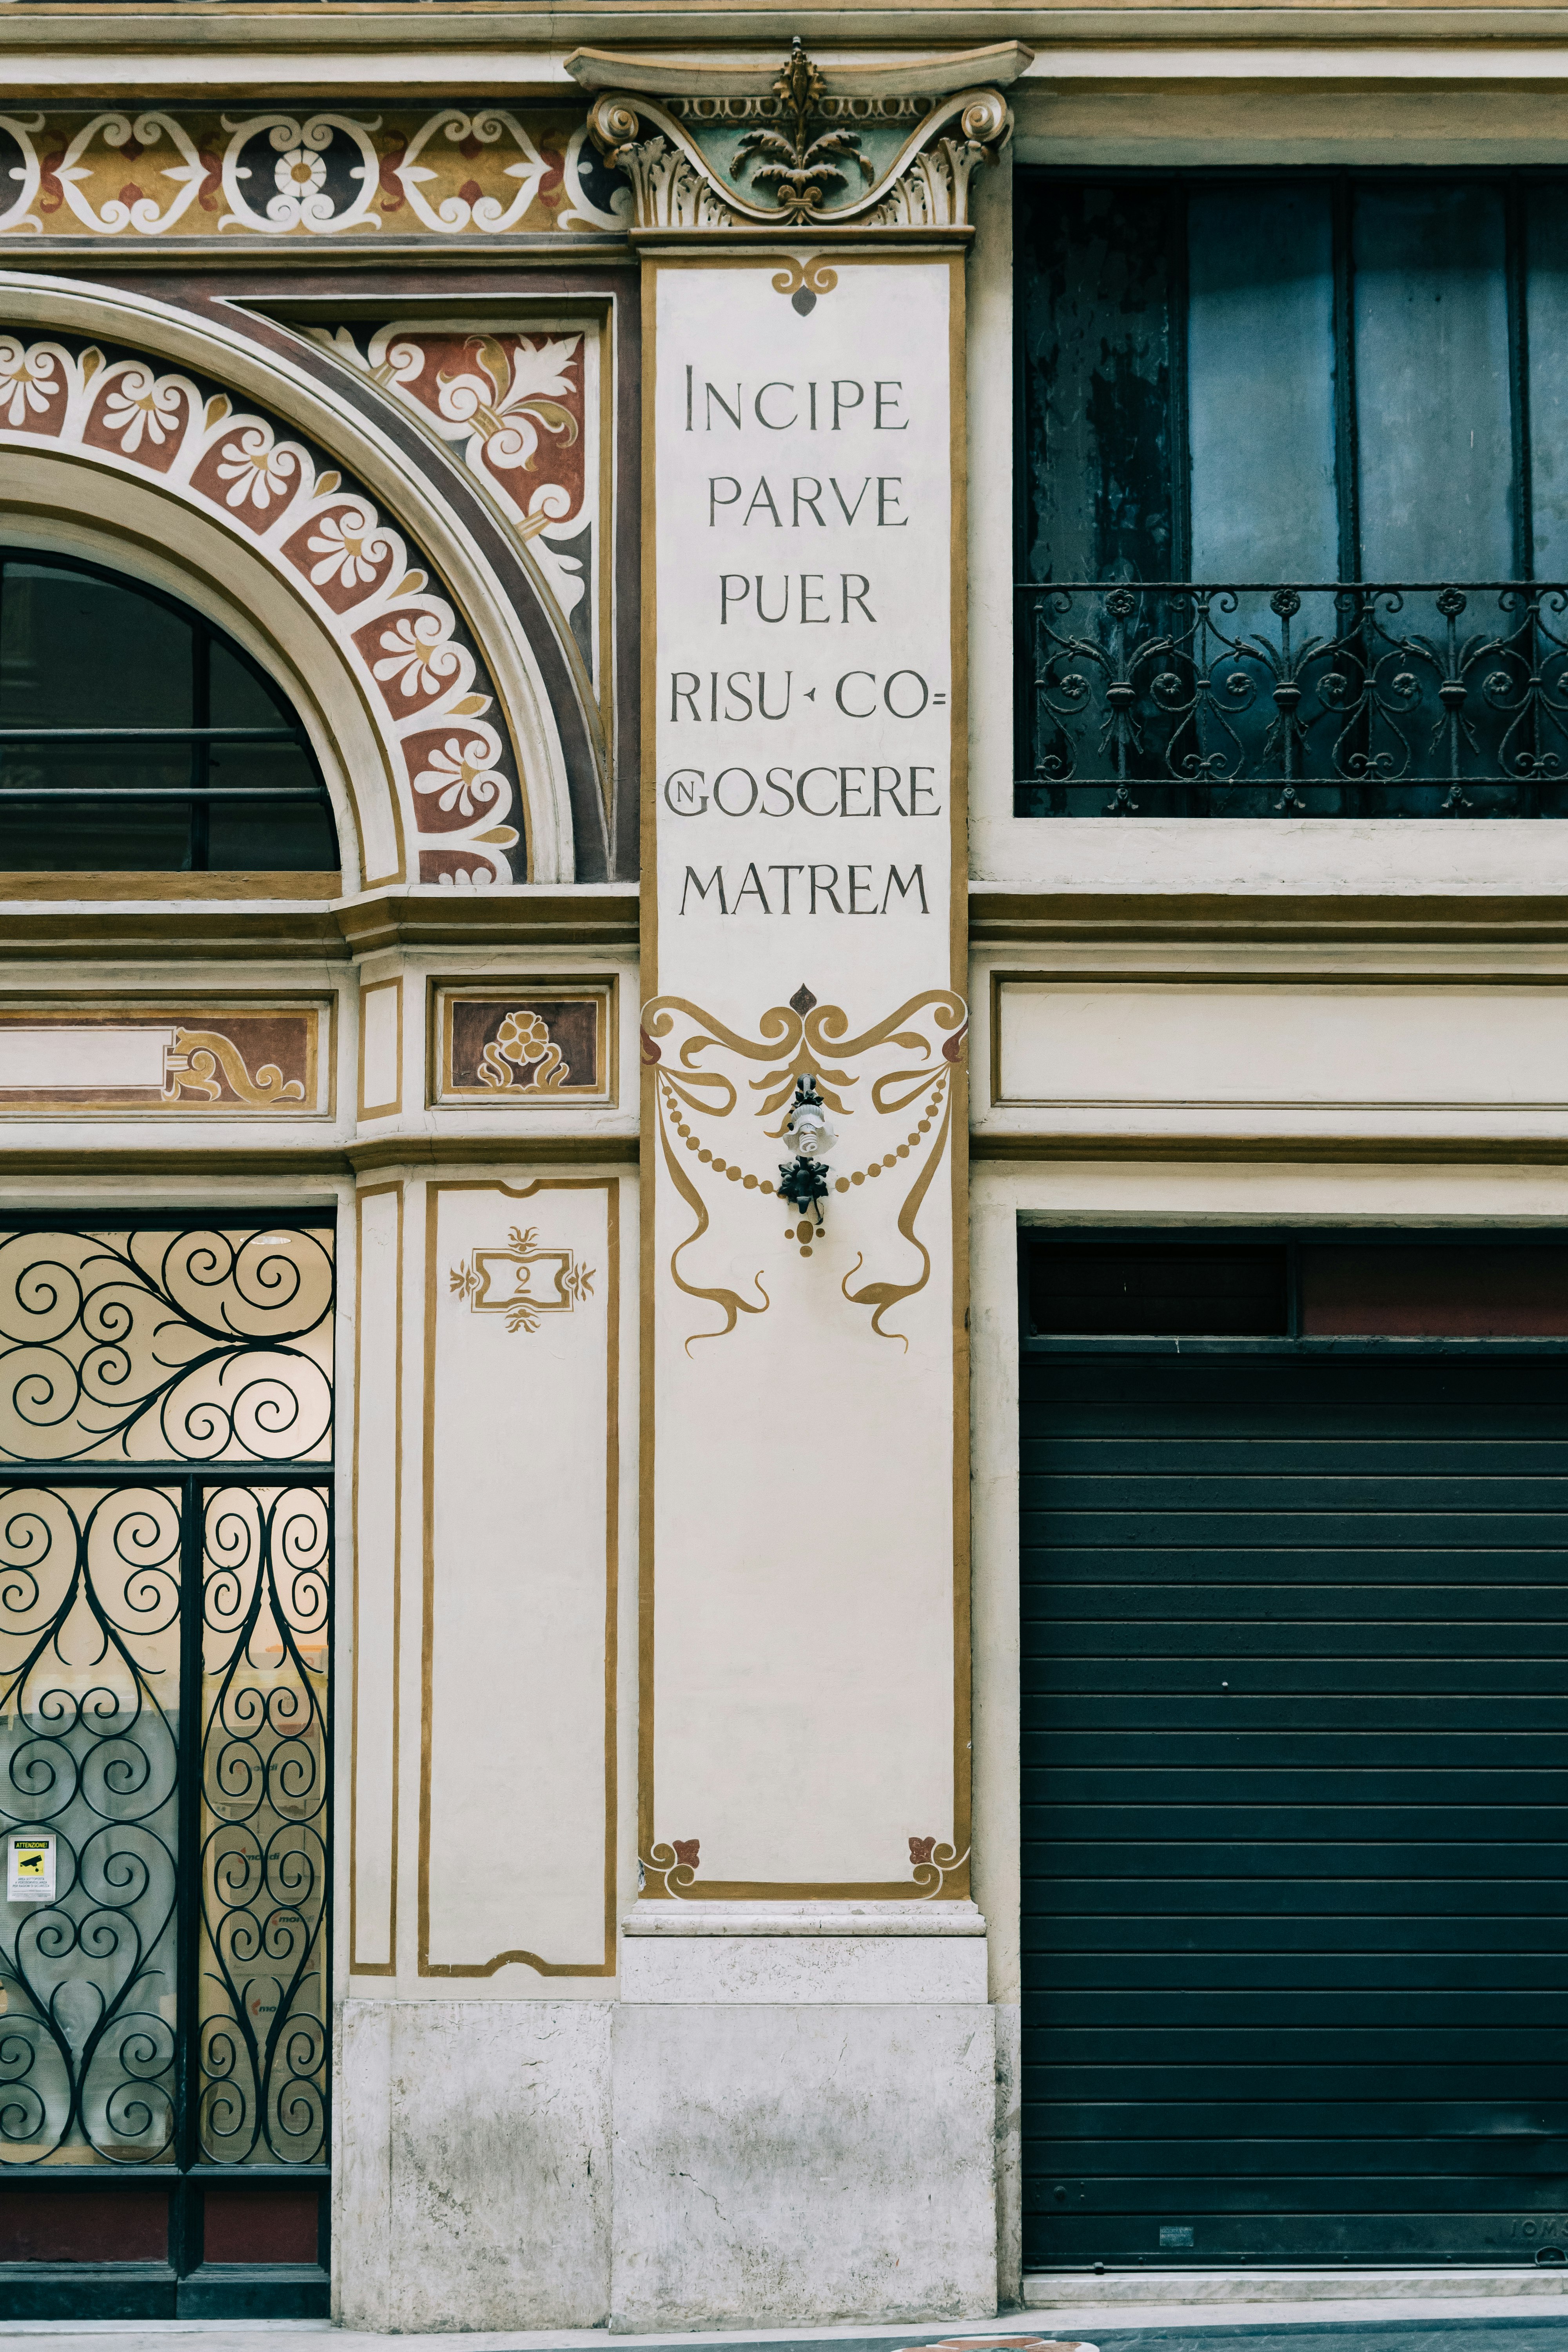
(30, 1870)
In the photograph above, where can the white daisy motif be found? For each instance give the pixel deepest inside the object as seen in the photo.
(256, 470)
(26, 382)
(415, 654)
(460, 776)
(299, 172)
(349, 550)
(142, 406)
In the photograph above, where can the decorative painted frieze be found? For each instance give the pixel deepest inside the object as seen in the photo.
(375, 591)
(520, 407)
(510, 1047)
(481, 172)
(219, 1062)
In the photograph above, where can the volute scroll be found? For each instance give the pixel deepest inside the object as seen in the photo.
(801, 156)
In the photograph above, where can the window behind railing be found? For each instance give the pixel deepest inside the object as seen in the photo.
(1292, 495)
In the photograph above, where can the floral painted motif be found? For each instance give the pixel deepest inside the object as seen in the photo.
(257, 470)
(141, 405)
(460, 776)
(483, 172)
(415, 656)
(522, 407)
(350, 549)
(419, 670)
(30, 381)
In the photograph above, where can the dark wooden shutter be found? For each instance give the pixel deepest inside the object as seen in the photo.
(1294, 1950)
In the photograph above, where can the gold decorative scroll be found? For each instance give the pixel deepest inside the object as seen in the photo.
(483, 1273)
(198, 1054)
(817, 1044)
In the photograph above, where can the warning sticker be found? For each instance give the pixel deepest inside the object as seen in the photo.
(30, 1870)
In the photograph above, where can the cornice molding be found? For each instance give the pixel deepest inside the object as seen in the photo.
(1000, 917)
(697, 73)
(563, 917)
(605, 915)
(424, 1152)
(265, 1160)
(594, 915)
(514, 48)
(1358, 1151)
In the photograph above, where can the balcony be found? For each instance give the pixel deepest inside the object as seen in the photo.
(1188, 698)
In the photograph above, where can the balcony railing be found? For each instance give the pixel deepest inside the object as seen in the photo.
(1192, 699)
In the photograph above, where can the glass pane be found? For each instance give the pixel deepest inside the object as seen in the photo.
(1096, 269)
(237, 697)
(89, 1700)
(1260, 373)
(106, 836)
(257, 835)
(206, 1345)
(1433, 414)
(1546, 247)
(78, 651)
(1449, 1292)
(262, 2033)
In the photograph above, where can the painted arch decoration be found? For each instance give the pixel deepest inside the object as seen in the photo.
(434, 702)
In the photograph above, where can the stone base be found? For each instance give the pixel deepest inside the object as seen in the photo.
(790, 2125)
(793, 2165)
(472, 2179)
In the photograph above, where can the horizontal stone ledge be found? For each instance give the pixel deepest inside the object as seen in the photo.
(672, 1916)
(247, 914)
(1283, 1150)
(193, 1157)
(1002, 914)
(502, 1150)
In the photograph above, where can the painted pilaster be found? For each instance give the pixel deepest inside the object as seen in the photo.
(805, 1667)
(805, 1683)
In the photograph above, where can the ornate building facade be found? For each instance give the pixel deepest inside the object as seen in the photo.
(605, 1513)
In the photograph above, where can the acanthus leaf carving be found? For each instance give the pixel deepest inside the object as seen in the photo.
(796, 164)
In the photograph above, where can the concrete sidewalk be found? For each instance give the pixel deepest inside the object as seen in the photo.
(1506, 2312)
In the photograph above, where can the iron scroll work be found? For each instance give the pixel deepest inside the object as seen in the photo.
(166, 1595)
(1189, 698)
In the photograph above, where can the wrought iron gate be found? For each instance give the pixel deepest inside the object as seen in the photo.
(166, 1599)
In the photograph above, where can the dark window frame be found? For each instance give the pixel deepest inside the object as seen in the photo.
(1292, 1238)
(1121, 742)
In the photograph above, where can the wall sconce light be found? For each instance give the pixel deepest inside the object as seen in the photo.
(802, 1181)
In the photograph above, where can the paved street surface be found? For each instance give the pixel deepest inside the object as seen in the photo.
(1510, 2323)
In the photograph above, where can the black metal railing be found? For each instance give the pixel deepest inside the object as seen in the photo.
(1306, 699)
